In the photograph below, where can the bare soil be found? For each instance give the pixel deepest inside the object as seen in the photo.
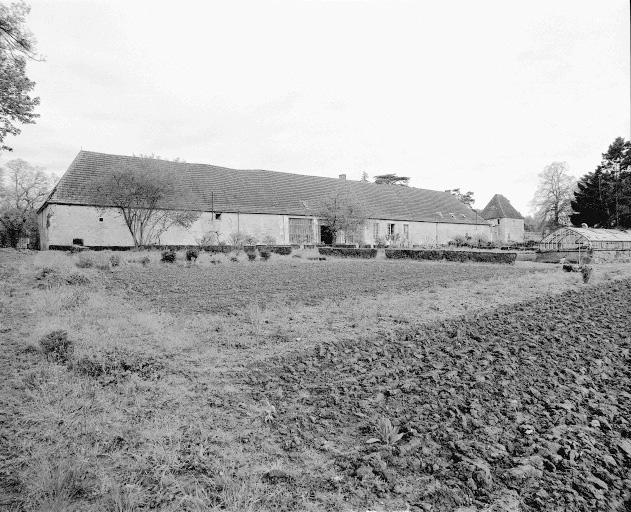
(530, 404)
(228, 287)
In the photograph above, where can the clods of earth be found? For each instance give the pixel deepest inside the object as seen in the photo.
(526, 408)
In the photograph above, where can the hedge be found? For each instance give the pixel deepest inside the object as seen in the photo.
(460, 256)
(343, 252)
(213, 249)
(283, 250)
(77, 248)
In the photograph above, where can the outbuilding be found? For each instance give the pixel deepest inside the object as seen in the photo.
(265, 205)
(505, 222)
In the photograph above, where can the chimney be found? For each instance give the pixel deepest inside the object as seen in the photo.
(342, 176)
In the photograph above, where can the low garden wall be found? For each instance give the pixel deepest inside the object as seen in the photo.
(590, 256)
(570, 256)
(460, 256)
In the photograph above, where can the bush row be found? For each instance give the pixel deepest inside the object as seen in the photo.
(461, 256)
(344, 252)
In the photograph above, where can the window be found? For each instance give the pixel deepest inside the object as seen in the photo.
(77, 241)
(217, 216)
(100, 219)
(300, 231)
(375, 231)
(390, 230)
(406, 231)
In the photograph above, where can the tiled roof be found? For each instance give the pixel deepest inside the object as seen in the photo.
(210, 188)
(500, 208)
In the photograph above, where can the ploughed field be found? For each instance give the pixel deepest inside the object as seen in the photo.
(528, 405)
(228, 287)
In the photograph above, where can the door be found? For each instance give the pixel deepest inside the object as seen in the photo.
(326, 235)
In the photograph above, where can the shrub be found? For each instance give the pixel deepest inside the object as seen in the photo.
(237, 239)
(57, 346)
(265, 255)
(234, 259)
(208, 240)
(116, 363)
(250, 240)
(459, 241)
(343, 252)
(192, 254)
(144, 261)
(168, 256)
(115, 260)
(251, 256)
(84, 260)
(479, 240)
(76, 279)
(269, 240)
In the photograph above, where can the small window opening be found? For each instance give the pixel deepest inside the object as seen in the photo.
(77, 241)
(217, 216)
(100, 219)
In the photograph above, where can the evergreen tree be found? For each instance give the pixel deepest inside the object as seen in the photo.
(603, 197)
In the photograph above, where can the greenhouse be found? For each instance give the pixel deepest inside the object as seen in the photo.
(601, 244)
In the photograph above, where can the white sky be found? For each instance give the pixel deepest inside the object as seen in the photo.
(479, 94)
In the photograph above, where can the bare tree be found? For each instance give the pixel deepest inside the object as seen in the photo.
(553, 196)
(341, 213)
(139, 194)
(23, 188)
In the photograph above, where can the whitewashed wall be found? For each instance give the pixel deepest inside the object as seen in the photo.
(60, 224)
(507, 230)
(425, 233)
(66, 223)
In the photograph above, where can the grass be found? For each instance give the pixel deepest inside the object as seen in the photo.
(177, 429)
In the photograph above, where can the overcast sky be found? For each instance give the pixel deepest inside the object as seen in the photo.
(479, 95)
